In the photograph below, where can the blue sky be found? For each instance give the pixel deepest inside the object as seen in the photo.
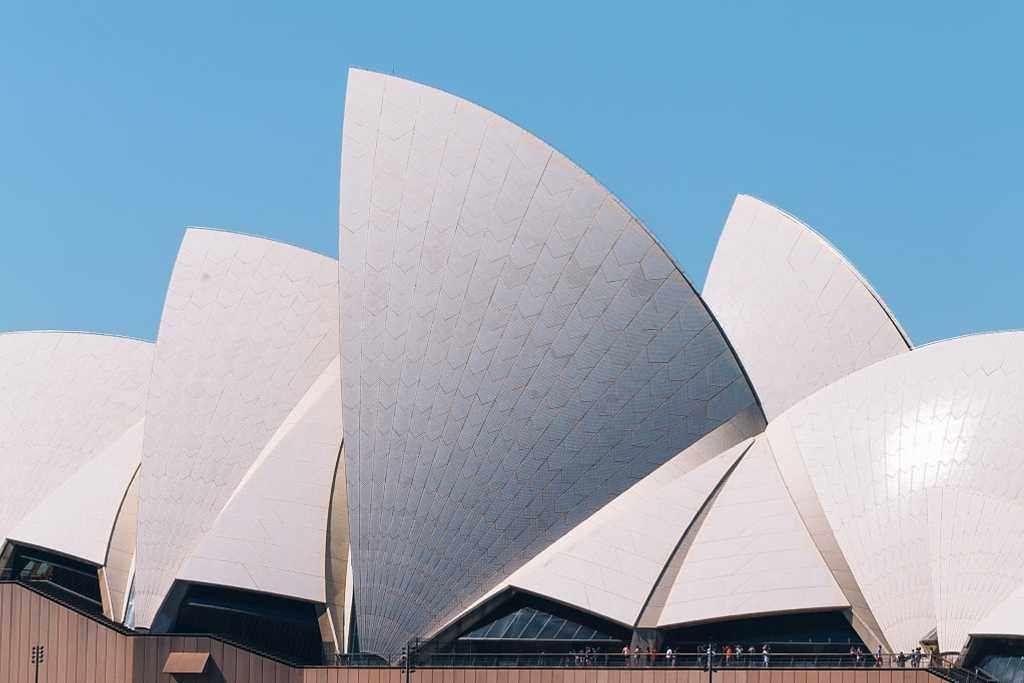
(895, 129)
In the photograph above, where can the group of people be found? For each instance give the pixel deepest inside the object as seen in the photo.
(643, 656)
(914, 658)
(860, 658)
(737, 656)
(588, 656)
(740, 657)
(731, 656)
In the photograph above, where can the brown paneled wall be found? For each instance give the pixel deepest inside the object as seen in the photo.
(78, 649)
(84, 650)
(228, 664)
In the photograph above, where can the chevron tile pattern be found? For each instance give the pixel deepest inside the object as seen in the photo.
(797, 313)
(915, 461)
(65, 399)
(248, 326)
(517, 351)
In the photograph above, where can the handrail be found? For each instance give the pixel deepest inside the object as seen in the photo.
(962, 675)
(688, 659)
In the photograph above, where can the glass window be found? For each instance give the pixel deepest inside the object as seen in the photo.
(528, 623)
(522, 618)
(551, 628)
(568, 631)
(532, 629)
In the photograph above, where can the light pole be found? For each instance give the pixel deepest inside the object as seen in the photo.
(409, 653)
(38, 655)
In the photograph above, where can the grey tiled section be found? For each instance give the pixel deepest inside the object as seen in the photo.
(517, 351)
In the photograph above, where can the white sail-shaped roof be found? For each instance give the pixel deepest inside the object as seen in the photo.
(249, 325)
(271, 534)
(71, 406)
(752, 554)
(1006, 620)
(517, 351)
(915, 461)
(798, 314)
(609, 564)
(77, 517)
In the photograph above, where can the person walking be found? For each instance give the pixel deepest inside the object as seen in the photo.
(878, 656)
(625, 655)
(765, 654)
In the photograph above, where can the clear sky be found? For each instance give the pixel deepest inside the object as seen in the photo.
(894, 128)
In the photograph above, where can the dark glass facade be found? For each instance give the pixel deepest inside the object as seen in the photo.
(273, 625)
(64, 578)
(801, 632)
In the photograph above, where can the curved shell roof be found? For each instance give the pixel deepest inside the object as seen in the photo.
(798, 314)
(915, 461)
(610, 563)
(518, 350)
(248, 326)
(71, 405)
(1005, 620)
(536, 399)
(752, 555)
(271, 534)
(77, 517)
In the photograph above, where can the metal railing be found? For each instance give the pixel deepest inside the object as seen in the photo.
(683, 660)
(956, 674)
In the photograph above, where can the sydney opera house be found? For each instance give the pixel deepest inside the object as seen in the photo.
(504, 420)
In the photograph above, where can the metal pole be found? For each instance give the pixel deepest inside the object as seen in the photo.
(38, 654)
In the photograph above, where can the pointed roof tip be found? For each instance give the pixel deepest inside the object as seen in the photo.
(576, 165)
(825, 242)
(763, 202)
(359, 71)
(367, 103)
